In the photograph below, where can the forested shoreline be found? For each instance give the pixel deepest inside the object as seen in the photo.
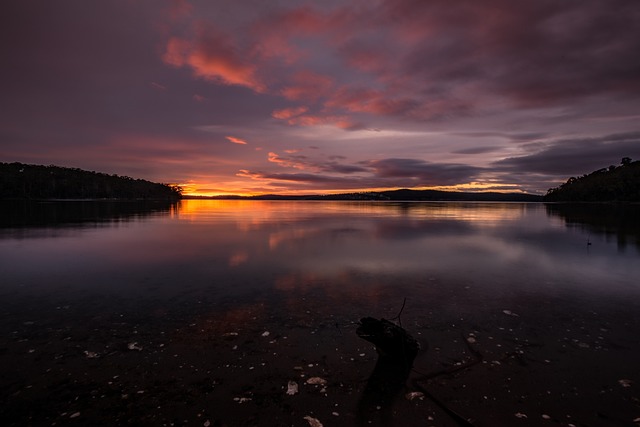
(36, 182)
(25, 181)
(613, 184)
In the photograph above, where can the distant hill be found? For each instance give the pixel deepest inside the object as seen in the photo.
(613, 184)
(400, 195)
(23, 181)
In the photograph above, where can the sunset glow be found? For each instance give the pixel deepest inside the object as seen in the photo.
(302, 97)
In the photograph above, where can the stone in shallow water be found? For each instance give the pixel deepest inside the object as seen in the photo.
(313, 422)
(292, 388)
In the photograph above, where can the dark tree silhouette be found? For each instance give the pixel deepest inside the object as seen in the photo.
(619, 184)
(23, 181)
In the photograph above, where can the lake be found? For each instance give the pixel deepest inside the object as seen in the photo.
(243, 313)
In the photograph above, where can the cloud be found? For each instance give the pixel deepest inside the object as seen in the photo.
(552, 85)
(514, 137)
(307, 86)
(342, 122)
(213, 56)
(478, 150)
(563, 158)
(236, 140)
(425, 173)
(385, 173)
(300, 178)
(288, 113)
(361, 100)
(296, 162)
(420, 60)
(302, 162)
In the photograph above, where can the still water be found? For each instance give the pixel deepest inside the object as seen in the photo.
(206, 312)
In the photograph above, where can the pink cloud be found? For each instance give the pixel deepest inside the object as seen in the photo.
(342, 122)
(307, 85)
(236, 140)
(213, 56)
(300, 21)
(414, 59)
(288, 113)
(369, 101)
(287, 162)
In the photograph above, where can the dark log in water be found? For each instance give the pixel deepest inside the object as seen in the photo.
(396, 353)
(392, 342)
(397, 350)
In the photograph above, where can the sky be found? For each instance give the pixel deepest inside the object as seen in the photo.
(289, 97)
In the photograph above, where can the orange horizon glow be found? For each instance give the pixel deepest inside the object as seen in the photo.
(193, 189)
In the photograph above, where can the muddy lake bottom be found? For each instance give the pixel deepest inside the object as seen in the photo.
(198, 359)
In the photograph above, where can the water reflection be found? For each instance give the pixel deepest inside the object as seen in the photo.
(227, 298)
(30, 214)
(619, 221)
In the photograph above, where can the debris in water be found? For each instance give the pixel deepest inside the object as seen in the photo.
(242, 399)
(134, 346)
(292, 388)
(265, 334)
(313, 422)
(75, 415)
(520, 415)
(316, 381)
(415, 395)
(546, 417)
(91, 354)
(510, 313)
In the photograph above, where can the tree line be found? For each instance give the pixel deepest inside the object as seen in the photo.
(613, 184)
(24, 181)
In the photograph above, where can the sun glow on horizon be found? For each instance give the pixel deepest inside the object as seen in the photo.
(194, 189)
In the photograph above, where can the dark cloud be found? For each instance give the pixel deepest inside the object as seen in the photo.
(477, 150)
(515, 137)
(423, 172)
(303, 162)
(576, 156)
(533, 53)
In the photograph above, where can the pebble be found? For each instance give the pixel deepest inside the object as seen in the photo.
(313, 422)
(316, 381)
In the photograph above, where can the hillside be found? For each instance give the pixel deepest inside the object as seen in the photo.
(612, 184)
(23, 181)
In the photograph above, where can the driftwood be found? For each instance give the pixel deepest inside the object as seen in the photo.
(396, 352)
(392, 342)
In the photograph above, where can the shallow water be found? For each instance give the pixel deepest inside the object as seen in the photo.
(203, 311)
